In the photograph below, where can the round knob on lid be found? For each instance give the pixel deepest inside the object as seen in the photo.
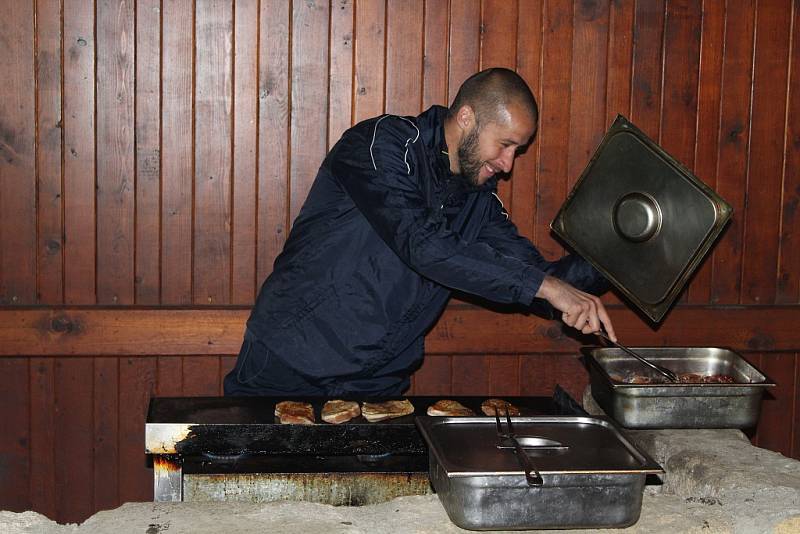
(637, 217)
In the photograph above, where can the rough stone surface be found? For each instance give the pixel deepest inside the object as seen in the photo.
(716, 482)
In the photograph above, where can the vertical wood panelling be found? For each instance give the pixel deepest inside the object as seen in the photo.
(177, 143)
(42, 481)
(434, 377)
(765, 162)
(708, 112)
(403, 51)
(369, 58)
(647, 67)
(273, 133)
(148, 151)
(114, 79)
(14, 434)
(553, 136)
(212, 171)
(137, 383)
(200, 376)
(169, 376)
(105, 418)
(245, 128)
(434, 68)
(499, 49)
(74, 457)
(528, 62)
(470, 375)
(540, 373)
(340, 70)
(733, 142)
(587, 115)
(788, 286)
(226, 364)
(504, 375)
(774, 426)
(681, 62)
(465, 43)
(79, 153)
(50, 246)
(795, 403)
(620, 59)
(310, 92)
(17, 157)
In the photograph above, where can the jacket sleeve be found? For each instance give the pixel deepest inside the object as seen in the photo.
(503, 235)
(385, 175)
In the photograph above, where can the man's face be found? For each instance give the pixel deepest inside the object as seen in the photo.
(486, 149)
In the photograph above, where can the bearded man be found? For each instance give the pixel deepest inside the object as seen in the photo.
(403, 212)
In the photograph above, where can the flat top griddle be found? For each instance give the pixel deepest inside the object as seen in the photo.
(261, 410)
(242, 426)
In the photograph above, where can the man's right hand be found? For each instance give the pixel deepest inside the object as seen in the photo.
(579, 310)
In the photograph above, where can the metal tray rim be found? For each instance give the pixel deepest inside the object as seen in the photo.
(648, 465)
(616, 385)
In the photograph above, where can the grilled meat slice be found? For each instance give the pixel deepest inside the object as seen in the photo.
(451, 408)
(340, 411)
(499, 406)
(294, 413)
(379, 411)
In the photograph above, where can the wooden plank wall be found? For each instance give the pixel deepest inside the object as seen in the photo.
(154, 153)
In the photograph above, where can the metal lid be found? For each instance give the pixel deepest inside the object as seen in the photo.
(469, 446)
(641, 218)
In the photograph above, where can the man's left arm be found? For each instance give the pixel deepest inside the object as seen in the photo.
(502, 234)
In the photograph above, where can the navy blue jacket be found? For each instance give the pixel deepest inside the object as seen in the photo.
(385, 235)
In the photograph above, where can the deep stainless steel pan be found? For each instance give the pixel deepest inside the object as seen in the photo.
(593, 478)
(677, 405)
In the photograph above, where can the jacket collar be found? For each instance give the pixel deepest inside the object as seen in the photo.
(431, 125)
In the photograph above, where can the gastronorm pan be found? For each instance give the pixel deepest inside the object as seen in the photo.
(677, 405)
(594, 478)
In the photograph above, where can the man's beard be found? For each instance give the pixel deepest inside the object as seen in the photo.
(469, 161)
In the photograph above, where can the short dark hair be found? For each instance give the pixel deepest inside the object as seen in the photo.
(489, 92)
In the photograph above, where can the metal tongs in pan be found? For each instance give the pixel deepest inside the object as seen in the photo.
(671, 376)
(531, 473)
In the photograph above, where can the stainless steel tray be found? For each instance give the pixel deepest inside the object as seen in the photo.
(595, 479)
(672, 405)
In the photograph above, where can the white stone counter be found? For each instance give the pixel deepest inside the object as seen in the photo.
(716, 482)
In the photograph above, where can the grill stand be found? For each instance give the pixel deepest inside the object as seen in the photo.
(167, 479)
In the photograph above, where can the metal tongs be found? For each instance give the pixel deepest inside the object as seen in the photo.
(531, 473)
(672, 377)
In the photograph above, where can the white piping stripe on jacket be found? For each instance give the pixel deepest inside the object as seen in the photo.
(502, 206)
(409, 140)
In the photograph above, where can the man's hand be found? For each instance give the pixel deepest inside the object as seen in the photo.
(579, 310)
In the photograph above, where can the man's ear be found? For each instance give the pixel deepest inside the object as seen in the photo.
(465, 117)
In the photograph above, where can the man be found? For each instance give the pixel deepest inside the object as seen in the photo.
(402, 212)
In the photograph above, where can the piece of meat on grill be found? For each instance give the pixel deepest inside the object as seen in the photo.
(294, 413)
(379, 411)
(340, 411)
(499, 406)
(449, 408)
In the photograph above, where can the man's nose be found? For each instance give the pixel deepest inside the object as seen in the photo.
(507, 159)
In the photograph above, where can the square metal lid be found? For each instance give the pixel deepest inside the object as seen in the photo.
(641, 218)
(468, 446)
